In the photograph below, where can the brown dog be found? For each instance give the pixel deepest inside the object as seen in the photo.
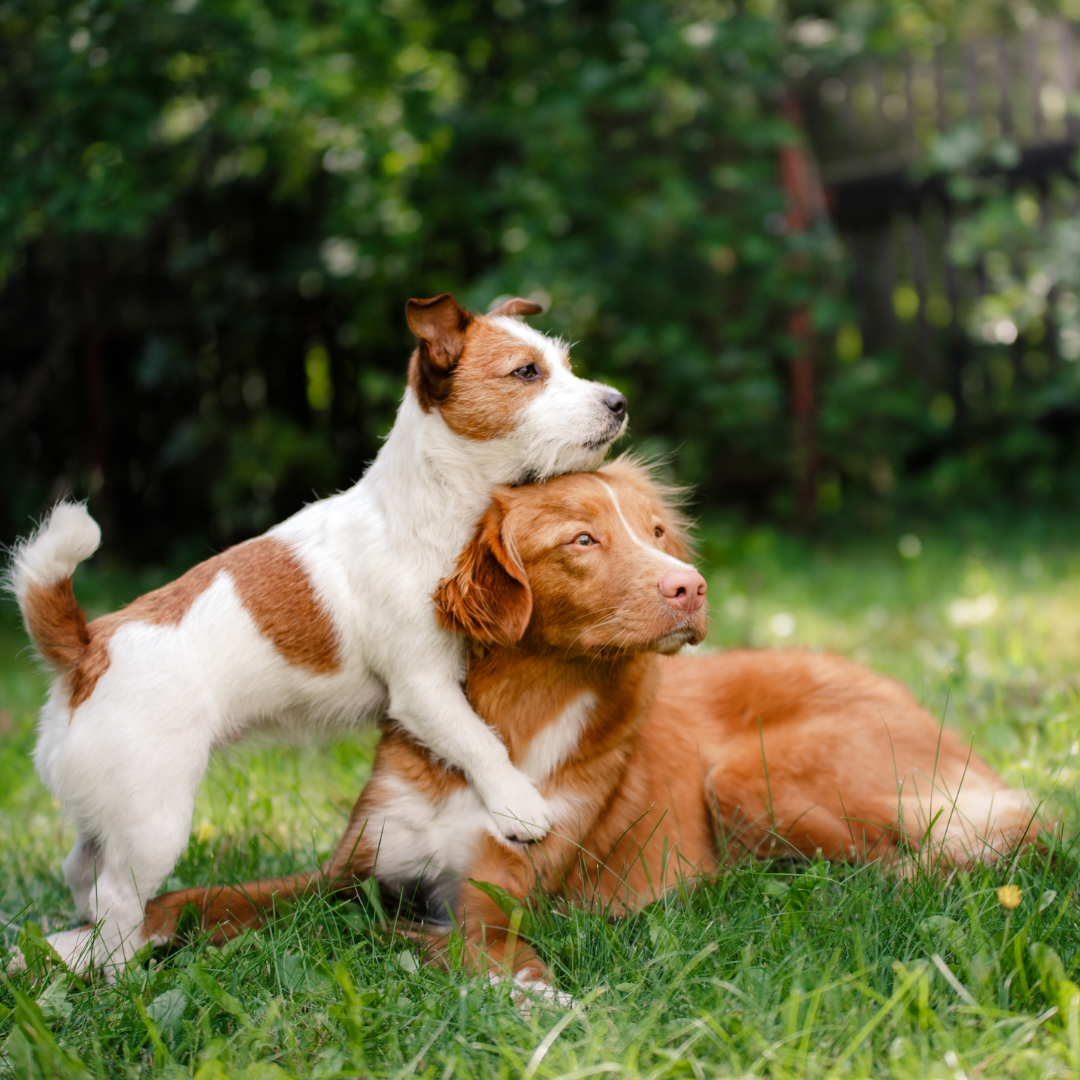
(569, 590)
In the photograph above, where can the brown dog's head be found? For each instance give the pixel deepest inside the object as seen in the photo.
(589, 564)
(496, 381)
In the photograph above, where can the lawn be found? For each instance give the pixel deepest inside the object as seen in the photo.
(775, 969)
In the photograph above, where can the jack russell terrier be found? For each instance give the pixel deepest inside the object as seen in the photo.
(326, 619)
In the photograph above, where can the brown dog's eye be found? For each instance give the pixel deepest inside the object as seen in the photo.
(528, 372)
(658, 531)
(584, 540)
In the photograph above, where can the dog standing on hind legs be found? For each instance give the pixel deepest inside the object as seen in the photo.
(325, 619)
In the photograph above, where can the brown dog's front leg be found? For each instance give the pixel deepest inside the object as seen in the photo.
(492, 943)
(223, 910)
(492, 946)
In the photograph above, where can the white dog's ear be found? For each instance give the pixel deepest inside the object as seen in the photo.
(439, 324)
(488, 595)
(516, 306)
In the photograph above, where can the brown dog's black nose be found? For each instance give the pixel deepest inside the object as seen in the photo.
(616, 403)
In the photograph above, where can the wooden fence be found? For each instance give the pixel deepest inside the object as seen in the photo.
(871, 128)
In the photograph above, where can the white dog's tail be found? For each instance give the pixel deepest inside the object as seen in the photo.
(40, 577)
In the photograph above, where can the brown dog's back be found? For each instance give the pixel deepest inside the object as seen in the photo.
(807, 752)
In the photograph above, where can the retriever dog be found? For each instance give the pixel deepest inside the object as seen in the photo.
(659, 766)
(327, 619)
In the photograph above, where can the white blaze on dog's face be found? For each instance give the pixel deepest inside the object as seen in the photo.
(492, 378)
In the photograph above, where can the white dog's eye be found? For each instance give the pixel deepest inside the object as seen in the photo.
(584, 540)
(528, 372)
(658, 531)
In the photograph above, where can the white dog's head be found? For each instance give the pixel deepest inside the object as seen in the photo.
(492, 378)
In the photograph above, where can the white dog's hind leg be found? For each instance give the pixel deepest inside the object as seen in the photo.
(126, 849)
(80, 868)
(73, 946)
(134, 862)
(117, 904)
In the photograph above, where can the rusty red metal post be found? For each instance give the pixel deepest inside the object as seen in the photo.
(806, 204)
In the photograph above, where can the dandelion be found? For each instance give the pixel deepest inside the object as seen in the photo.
(1009, 897)
(206, 832)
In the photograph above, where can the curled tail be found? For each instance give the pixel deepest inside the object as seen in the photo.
(40, 577)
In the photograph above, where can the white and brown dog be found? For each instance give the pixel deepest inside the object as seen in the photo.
(325, 619)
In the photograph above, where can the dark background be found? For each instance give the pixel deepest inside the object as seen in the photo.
(213, 212)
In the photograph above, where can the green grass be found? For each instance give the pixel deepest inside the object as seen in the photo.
(775, 969)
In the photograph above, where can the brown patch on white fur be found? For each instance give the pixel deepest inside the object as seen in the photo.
(57, 624)
(277, 593)
(464, 363)
(268, 578)
(485, 397)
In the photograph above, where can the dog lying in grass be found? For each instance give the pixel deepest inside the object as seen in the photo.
(327, 619)
(657, 764)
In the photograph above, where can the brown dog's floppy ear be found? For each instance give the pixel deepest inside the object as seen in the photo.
(439, 325)
(516, 306)
(487, 596)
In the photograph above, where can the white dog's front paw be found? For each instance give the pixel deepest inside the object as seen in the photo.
(521, 814)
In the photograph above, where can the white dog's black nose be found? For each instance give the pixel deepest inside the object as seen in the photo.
(617, 404)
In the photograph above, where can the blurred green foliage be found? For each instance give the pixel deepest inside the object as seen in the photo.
(1012, 422)
(213, 211)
